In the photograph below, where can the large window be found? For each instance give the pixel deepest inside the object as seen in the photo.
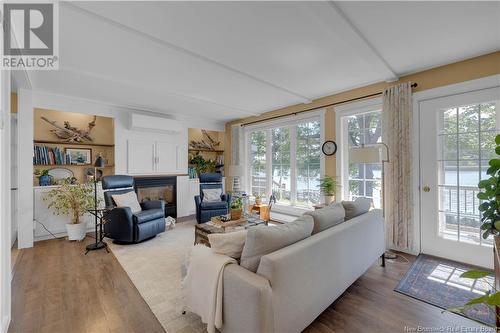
(285, 160)
(363, 179)
(258, 162)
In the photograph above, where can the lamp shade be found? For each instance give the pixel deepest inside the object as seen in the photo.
(364, 155)
(235, 171)
(99, 162)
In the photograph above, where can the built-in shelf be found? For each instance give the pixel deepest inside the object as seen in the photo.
(72, 143)
(206, 150)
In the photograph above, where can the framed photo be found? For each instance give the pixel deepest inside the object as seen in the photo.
(79, 156)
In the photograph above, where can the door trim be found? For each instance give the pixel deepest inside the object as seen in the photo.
(418, 98)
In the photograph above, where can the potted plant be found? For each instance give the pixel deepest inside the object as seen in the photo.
(236, 208)
(44, 179)
(328, 185)
(75, 201)
(490, 210)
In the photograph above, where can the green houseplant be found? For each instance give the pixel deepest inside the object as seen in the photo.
(328, 186)
(72, 200)
(236, 208)
(202, 165)
(490, 218)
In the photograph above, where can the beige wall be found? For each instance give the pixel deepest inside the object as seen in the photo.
(466, 70)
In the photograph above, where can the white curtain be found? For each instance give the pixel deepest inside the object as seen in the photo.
(397, 134)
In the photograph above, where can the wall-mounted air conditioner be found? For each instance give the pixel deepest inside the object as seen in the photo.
(142, 122)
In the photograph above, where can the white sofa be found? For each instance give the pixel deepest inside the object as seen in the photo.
(295, 284)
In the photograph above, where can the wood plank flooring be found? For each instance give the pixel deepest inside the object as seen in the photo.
(56, 288)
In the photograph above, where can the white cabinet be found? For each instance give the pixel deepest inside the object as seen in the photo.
(150, 157)
(141, 156)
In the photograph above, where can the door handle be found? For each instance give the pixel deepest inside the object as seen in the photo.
(426, 189)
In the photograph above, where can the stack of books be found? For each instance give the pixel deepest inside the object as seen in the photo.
(43, 155)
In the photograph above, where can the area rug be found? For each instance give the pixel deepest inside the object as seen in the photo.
(155, 268)
(437, 281)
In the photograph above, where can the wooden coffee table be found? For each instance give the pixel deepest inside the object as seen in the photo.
(202, 230)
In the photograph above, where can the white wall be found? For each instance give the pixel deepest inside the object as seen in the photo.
(28, 100)
(13, 177)
(5, 219)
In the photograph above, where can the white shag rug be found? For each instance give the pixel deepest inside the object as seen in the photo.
(155, 268)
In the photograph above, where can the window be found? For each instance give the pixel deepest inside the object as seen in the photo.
(308, 163)
(363, 179)
(258, 162)
(285, 160)
(467, 143)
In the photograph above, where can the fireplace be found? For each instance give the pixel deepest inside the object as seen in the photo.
(158, 188)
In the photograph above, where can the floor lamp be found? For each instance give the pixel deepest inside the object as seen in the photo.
(373, 154)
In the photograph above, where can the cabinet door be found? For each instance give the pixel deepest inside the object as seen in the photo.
(194, 189)
(167, 157)
(141, 157)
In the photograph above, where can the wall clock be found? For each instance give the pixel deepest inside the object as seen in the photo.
(329, 148)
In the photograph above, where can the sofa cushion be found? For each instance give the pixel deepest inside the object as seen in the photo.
(212, 194)
(230, 244)
(148, 215)
(128, 199)
(213, 205)
(327, 217)
(357, 207)
(262, 240)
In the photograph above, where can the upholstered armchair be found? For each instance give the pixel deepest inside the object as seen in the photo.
(122, 225)
(207, 209)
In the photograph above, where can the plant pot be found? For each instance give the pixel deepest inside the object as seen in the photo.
(44, 180)
(328, 199)
(236, 214)
(76, 231)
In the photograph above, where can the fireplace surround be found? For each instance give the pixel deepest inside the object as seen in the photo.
(158, 188)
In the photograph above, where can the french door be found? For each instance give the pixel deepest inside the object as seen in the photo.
(457, 140)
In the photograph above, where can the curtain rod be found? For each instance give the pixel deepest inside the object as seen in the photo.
(318, 107)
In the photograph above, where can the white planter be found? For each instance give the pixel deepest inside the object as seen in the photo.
(328, 199)
(76, 231)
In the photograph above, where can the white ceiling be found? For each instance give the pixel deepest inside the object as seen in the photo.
(228, 60)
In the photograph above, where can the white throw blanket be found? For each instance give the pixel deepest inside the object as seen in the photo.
(203, 285)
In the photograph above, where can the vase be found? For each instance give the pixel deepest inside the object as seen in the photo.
(328, 199)
(44, 180)
(258, 201)
(235, 214)
(76, 231)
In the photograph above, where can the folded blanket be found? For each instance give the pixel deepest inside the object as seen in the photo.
(203, 285)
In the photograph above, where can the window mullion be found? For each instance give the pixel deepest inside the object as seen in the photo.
(269, 162)
(293, 164)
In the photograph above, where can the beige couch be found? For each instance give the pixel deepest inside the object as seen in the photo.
(295, 284)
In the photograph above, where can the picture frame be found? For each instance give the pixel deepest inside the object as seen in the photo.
(79, 156)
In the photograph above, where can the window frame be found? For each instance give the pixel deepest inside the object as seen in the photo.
(342, 113)
(291, 123)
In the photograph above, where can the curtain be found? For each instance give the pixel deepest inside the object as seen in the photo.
(397, 135)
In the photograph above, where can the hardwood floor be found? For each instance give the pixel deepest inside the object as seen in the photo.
(56, 288)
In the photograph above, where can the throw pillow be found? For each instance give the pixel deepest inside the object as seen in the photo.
(357, 207)
(212, 194)
(262, 240)
(128, 199)
(230, 244)
(327, 217)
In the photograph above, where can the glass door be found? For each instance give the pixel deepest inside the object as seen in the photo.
(457, 140)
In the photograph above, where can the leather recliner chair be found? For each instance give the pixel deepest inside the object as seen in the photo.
(206, 210)
(121, 224)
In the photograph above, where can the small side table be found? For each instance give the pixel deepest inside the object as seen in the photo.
(99, 221)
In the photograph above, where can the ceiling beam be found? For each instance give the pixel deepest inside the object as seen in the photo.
(185, 51)
(391, 74)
